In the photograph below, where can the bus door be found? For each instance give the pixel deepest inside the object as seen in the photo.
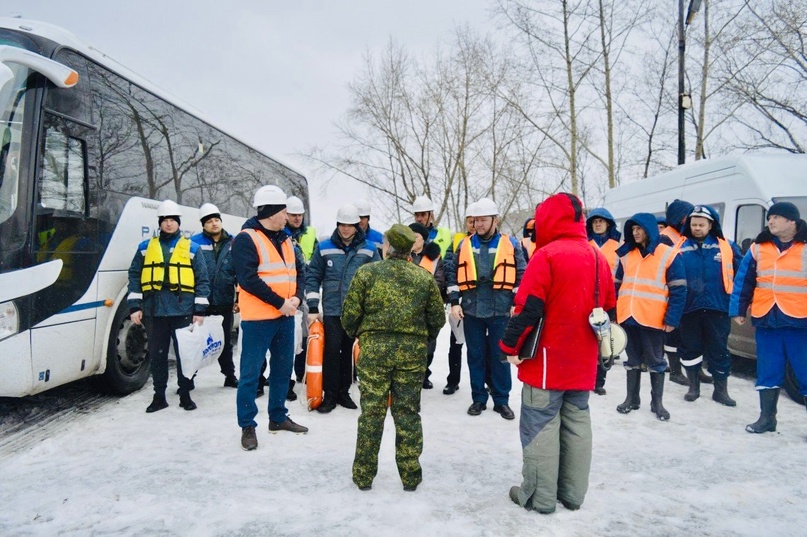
(63, 335)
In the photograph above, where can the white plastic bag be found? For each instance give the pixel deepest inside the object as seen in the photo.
(457, 328)
(200, 346)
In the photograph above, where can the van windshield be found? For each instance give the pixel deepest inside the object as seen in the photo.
(12, 108)
(798, 201)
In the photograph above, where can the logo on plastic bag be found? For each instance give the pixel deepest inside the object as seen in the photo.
(210, 346)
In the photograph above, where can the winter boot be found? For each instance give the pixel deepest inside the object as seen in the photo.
(705, 377)
(694, 383)
(721, 393)
(657, 393)
(634, 379)
(767, 417)
(185, 401)
(676, 375)
(345, 400)
(158, 403)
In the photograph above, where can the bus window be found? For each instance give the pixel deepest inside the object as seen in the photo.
(750, 222)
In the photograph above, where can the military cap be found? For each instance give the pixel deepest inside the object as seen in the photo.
(400, 237)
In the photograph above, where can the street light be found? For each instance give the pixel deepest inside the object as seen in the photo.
(684, 99)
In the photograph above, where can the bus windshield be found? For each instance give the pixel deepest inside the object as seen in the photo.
(12, 108)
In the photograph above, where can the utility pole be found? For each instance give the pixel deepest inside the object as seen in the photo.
(684, 99)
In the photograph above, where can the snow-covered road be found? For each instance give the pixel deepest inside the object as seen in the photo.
(124, 472)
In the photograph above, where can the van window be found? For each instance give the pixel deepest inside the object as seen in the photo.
(750, 222)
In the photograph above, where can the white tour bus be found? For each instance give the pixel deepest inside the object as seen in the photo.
(87, 149)
(741, 188)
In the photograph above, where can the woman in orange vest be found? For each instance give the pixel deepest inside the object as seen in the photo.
(428, 256)
(771, 280)
(602, 233)
(651, 288)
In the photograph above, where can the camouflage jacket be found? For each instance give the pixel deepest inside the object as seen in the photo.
(393, 297)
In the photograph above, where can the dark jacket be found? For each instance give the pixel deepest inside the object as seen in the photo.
(432, 251)
(220, 269)
(166, 303)
(675, 275)
(746, 281)
(483, 301)
(332, 267)
(559, 285)
(704, 268)
(246, 260)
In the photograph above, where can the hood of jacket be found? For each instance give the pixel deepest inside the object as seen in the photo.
(677, 211)
(559, 216)
(602, 212)
(647, 222)
(716, 230)
(358, 238)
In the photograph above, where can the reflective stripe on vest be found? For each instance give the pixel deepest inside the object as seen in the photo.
(529, 246)
(608, 249)
(643, 294)
(180, 269)
(676, 238)
(781, 280)
(307, 241)
(275, 272)
(504, 266)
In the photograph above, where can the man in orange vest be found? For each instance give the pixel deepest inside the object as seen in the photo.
(602, 233)
(709, 261)
(271, 278)
(485, 274)
(427, 255)
(651, 287)
(772, 279)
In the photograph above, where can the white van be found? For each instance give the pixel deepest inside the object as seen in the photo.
(741, 188)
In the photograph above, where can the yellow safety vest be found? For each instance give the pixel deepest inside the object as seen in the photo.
(180, 269)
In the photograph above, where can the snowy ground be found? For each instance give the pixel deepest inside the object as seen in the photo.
(124, 472)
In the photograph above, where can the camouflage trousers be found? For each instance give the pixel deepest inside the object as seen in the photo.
(390, 364)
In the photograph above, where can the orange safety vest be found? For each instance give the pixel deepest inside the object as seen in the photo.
(275, 271)
(528, 245)
(504, 266)
(644, 294)
(781, 280)
(677, 238)
(727, 264)
(609, 251)
(428, 264)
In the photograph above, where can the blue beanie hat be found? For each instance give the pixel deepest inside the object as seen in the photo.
(785, 209)
(677, 212)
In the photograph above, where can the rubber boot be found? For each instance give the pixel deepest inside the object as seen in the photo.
(676, 375)
(694, 383)
(767, 417)
(704, 376)
(634, 381)
(657, 394)
(721, 393)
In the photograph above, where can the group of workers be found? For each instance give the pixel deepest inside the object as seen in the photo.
(671, 285)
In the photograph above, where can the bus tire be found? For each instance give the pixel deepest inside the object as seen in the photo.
(127, 358)
(792, 385)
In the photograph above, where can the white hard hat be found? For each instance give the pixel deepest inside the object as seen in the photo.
(168, 208)
(269, 195)
(363, 206)
(616, 343)
(422, 204)
(207, 209)
(294, 205)
(469, 211)
(485, 207)
(347, 214)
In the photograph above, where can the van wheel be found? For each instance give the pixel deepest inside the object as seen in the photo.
(127, 359)
(792, 385)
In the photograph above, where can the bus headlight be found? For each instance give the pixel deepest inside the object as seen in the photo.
(9, 319)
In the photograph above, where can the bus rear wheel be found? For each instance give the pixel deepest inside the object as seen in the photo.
(127, 360)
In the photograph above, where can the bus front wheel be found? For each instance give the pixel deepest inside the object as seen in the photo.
(127, 360)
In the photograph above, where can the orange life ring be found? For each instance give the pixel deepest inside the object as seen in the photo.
(313, 364)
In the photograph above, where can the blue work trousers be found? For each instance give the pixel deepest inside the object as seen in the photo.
(775, 348)
(276, 336)
(481, 334)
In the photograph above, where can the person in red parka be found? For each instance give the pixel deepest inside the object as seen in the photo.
(558, 286)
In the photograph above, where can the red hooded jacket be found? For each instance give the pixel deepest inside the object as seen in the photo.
(559, 284)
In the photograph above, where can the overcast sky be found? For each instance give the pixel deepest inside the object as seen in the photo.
(272, 73)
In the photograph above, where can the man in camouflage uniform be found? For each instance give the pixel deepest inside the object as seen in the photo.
(395, 309)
